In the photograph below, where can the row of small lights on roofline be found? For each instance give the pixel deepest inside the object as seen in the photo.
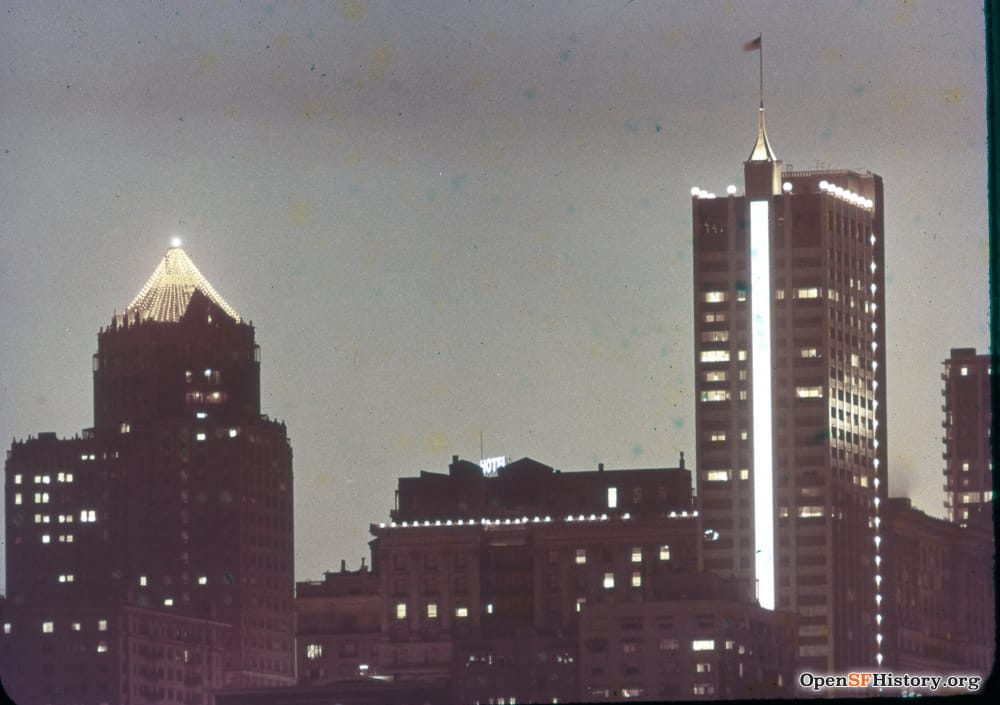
(521, 520)
(837, 191)
(848, 196)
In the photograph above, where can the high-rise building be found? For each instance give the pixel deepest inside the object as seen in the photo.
(967, 411)
(790, 360)
(164, 532)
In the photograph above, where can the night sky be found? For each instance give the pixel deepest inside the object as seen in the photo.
(454, 218)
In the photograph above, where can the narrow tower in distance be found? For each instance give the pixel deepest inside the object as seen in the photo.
(968, 413)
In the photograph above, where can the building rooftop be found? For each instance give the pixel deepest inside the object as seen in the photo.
(167, 294)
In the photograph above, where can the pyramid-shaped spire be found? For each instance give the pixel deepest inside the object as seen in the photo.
(167, 294)
(762, 151)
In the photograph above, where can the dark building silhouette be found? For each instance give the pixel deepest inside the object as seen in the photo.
(536, 585)
(941, 598)
(790, 418)
(968, 414)
(150, 559)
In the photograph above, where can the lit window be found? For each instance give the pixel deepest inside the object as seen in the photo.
(741, 355)
(581, 555)
(703, 645)
(233, 432)
(432, 611)
(46, 538)
(965, 467)
(715, 317)
(102, 647)
(142, 581)
(808, 293)
(717, 436)
(46, 479)
(703, 689)
(48, 627)
(743, 395)
(168, 602)
(65, 538)
(580, 602)
(855, 360)
(637, 554)
(730, 644)
(612, 497)
(714, 336)
(779, 294)
(964, 371)
(125, 427)
(314, 651)
(714, 297)
(808, 392)
(200, 436)
(41, 497)
(715, 376)
(76, 626)
(17, 498)
(715, 395)
(489, 608)
(744, 474)
(203, 580)
(741, 294)
(703, 667)
(201, 415)
(461, 612)
(88, 515)
(18, 479)
(400, 610)
(715, 356)
(664, 553)
(717, 475)
(811, 511)
(609, 581)
(636, 578)
(66, 578)
(102, 625)
(6, 627)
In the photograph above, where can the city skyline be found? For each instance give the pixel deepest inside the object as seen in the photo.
(450, 222)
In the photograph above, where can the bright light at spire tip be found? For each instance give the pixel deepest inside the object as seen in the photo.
(175, 241)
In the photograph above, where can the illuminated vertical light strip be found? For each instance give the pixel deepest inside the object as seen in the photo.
(877, 520)
(760, 341)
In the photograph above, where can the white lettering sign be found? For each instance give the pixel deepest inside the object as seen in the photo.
(491, 465)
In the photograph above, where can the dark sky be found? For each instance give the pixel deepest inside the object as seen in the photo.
(447, 218)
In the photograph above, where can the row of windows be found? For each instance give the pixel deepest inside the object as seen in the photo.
(45, 479)
(49, 627)
(636, 555)
(725, 475)
(718, 297)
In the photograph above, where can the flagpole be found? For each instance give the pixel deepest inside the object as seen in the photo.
(761, 40)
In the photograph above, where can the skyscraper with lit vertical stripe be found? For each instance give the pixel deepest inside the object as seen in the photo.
(790, 363)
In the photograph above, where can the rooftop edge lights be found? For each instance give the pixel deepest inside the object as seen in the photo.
(167, 293)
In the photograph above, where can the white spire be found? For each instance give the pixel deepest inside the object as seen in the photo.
(762, 151)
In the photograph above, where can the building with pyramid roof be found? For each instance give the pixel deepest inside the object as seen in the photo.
(150, 558)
